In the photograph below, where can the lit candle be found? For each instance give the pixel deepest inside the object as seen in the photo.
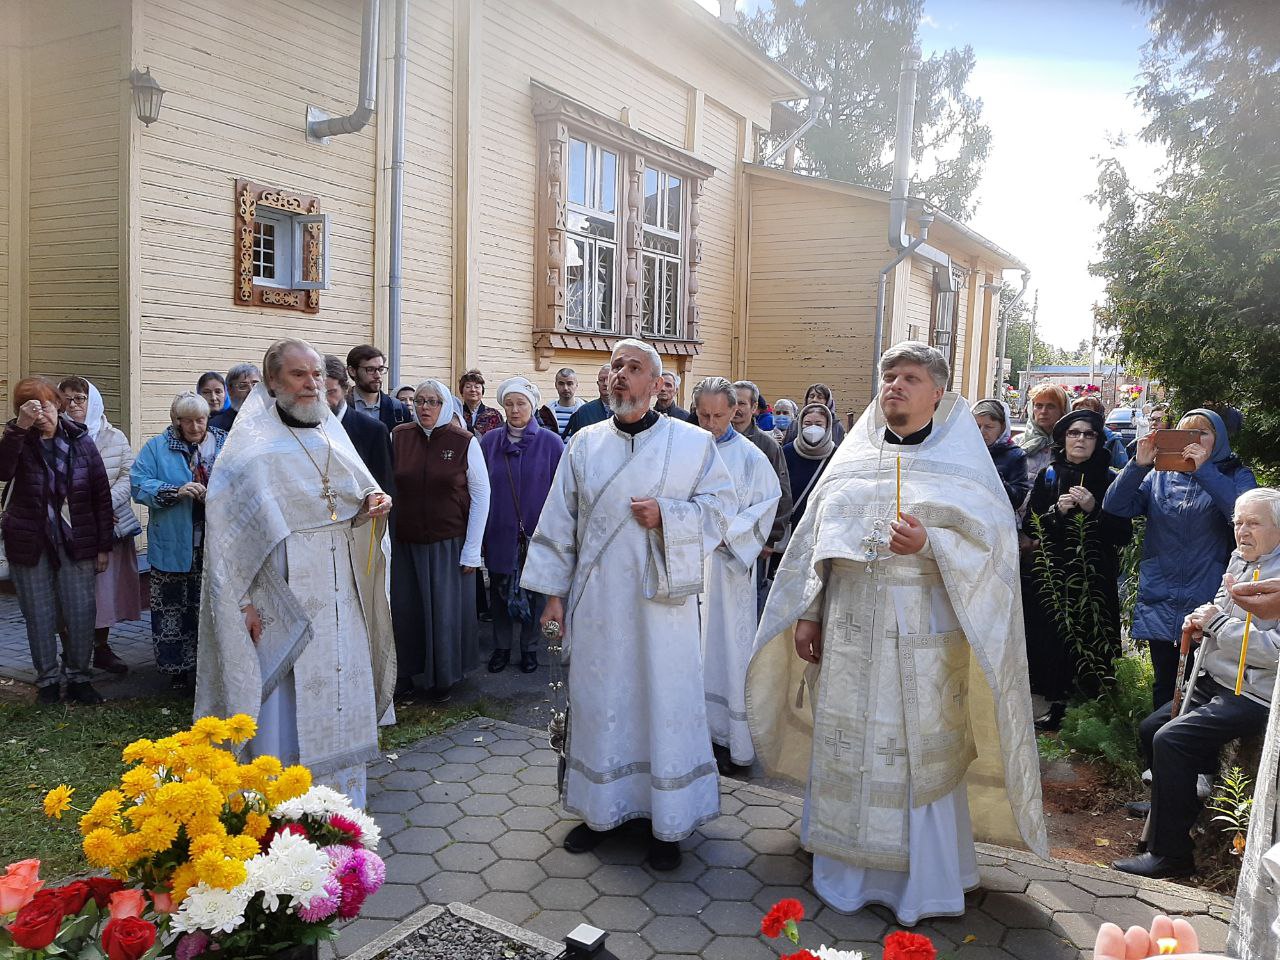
(899, 486)
(1244, 644)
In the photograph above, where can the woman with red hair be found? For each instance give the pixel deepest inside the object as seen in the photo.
(57, 529)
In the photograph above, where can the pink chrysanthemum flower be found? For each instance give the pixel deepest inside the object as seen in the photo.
(324, 907)
(340, 855)
(370, 869)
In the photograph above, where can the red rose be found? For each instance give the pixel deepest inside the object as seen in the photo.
(101, 889)
(74, 895)
(903, 945)
(36, 925)
(128, 938)
(775, 920)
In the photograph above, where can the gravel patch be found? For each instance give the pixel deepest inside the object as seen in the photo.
(449, 937)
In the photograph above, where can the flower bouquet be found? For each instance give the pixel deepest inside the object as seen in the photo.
(250, 860)
(784, 918)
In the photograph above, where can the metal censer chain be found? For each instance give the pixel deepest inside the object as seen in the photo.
(557, 699)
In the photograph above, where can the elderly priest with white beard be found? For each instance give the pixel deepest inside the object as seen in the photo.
(897, 606)
(637, 504)
(295, 624)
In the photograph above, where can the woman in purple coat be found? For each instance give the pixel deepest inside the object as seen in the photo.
(521, 458)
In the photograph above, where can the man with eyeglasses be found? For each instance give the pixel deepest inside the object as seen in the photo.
(368, 435)
(367, 365)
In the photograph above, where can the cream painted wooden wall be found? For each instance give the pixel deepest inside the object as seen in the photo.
(717, 297)
(240, 74)
(71, 99)
(814, 259)
(9, 60)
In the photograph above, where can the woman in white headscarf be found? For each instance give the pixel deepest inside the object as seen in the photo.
(119, 589)
(442, 505)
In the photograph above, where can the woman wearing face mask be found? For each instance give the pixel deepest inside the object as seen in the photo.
(1073, 485)
(819, 393)
(784, 414)
(808, 455)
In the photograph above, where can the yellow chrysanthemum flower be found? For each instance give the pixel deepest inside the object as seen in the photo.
(103, 812)
(256, 825)
(206, 826)
(137, 781)
(241, 727)
(209, 730)
(268, 766)
(58, 801)
(221, 872)
(183, 879)
(134, 848)
(103, 848)
(205, 844)
(293, 782)
(158, 833)
(242, 847)
(138, 751)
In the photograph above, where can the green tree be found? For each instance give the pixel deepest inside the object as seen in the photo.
(851, 52)
(1193, 289)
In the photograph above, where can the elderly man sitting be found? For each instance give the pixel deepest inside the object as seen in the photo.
(1179, 749)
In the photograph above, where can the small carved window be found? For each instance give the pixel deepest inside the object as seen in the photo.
(591, 256)
(282, 249)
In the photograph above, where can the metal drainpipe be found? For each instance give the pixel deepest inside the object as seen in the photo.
(320, 128)
(395, 278)
(925, 219)
(1004, 333)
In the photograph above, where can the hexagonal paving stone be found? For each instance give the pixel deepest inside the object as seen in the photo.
(775, 817)
(1002, 880)
(465, 857)
(772, 841)
(676, 935)
(393, 901)
(445, 792)
(486, 805)
(455, 772)
(392, 801)
(1079, 928)
(559, 862)
(729, 918)
(739, 948)
(513, 875)
(500, 764)
(730, 805)
(419, 760)
(433, 815)
(676, 899)
(1013, 910)
(621, 879)
(1034, 871)
(725, 884)
(781, 870)
(753, 799)
(1039, 945)
(766, 897)
(409, 868)
(974, 923)
(510, 748)
(420, 840)
(1125, 911)
(724, 853)
(534, 795)
(405, 780)
(542, 758)
(447, 886)
(477, 829)
(724, 828)
(359, 932)
(494, 783)
(1059, 895)
(542, 776)
(1212, 933)
(618, 913)
(1100, 888)
(521, 845)
(563, 893)
(530, 818)
(467, 754)
(842, 927)
(554, 924)
(507, 905)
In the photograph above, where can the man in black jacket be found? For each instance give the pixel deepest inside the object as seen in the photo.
(594, 412)
(368, 435)
(666, 402)
(366, 366)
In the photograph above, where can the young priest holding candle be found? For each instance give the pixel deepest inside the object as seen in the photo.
(1179, 749)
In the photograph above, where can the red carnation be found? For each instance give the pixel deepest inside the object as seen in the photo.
(784, 911)
(36, 925)
(101, 889)
(347, 826)
(128, 938)
(799, 955)
(903, 945)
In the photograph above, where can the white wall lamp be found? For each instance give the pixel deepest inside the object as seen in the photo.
(147, 95)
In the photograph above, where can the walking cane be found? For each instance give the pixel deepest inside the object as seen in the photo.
(1184, 650)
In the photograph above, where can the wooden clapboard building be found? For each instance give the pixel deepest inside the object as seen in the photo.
(573, 171)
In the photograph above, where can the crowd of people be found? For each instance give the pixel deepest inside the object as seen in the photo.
(766, 521)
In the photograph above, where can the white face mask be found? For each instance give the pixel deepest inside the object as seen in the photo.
(813, 434)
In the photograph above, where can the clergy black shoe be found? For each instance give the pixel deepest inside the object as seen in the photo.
(83, 692)
(498, 662)
(49, 694)
(1052, 720)
(664, 855)
(1138, 809)
(528, 661)
(1155, 867)
(582, 839)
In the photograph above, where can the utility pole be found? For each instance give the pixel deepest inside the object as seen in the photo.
(1031, 343)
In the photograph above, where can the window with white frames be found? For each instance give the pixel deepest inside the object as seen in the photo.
(662, 262)
(272, 249)
(591, 221)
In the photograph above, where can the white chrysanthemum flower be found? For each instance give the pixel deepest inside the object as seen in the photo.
(831, 953)
(299, 868)
(211, 909)
(317, 801)
(268, 876)
(370, 832)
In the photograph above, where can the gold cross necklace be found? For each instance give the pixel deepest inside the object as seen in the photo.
(327, 493)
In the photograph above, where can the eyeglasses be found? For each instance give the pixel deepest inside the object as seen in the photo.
(428, 402)
(371, 370)
(1080, 434)
(78, 401)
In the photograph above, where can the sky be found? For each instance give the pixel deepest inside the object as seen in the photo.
(1054, 77)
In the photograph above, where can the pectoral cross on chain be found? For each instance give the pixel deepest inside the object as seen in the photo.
(329, 497)
(891, 751)
(872, 543)
(838, 743)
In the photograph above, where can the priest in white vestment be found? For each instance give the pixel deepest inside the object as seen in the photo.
(905, 635)
(637, 503)
(729, 603)
(295, 623)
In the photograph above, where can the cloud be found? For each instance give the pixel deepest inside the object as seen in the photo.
(928, 21)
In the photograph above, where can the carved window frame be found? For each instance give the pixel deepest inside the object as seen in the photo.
(557, 118)
(246, 292)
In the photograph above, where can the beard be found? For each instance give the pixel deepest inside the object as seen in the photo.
(310, 412)
(623, 406)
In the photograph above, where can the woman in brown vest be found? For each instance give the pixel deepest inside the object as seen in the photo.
(439, 520)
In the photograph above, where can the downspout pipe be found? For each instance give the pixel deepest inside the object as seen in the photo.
(363, 113)
(1004, 333)
(395, 275)
(926, 218)
(816, 103)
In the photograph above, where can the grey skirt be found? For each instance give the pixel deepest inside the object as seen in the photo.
(433, 611)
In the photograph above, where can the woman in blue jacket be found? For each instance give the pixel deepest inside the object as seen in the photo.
(992, 417)
(1188, 539)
